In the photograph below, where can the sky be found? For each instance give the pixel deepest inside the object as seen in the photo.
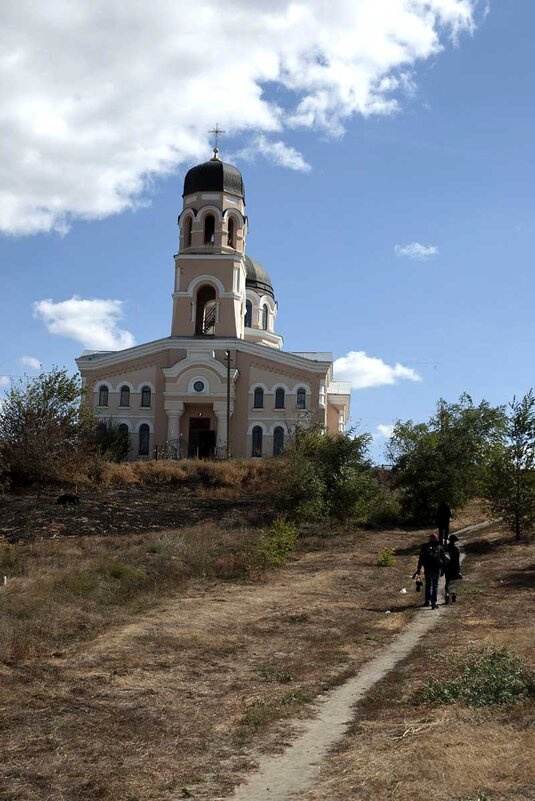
(387, 152)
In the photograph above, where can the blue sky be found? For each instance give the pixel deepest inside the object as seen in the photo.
(452, 169)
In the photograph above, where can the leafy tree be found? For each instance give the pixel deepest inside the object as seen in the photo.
(444, 458)
(112, 442)
(325, 475)
(46, 430)
(511, 472)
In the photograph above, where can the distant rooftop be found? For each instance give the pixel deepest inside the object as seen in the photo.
(339, 388)
(314, 356)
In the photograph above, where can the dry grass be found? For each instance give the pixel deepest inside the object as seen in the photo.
(62, 590)
(252, 476)
(137, 689)
(400, 748)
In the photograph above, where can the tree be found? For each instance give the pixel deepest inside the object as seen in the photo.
(112, 441)
(325, 475)
(444, 458)
(46, 429)
(511, 472)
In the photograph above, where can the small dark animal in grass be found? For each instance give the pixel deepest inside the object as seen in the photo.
(63, 500)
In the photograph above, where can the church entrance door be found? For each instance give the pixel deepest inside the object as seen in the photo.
(201, 442)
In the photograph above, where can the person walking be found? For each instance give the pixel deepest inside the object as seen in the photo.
(432, 560)
(443, 517)
(452, 569)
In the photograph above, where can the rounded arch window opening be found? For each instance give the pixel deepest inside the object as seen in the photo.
(231, 236)
(279, 398)
(144, 440)
(278, 441)
(209, 229)
(257, 441)
(301, 398)
(265, 317)
(248, 314)
(146, 397)
(103, 396)
(188, 232)
(206, 311)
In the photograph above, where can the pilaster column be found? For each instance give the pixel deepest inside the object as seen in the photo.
(220, 411)
(174, 411)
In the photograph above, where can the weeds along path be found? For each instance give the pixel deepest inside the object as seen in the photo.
(281, 777)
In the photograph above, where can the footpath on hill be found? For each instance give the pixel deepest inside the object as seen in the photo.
(187, 700)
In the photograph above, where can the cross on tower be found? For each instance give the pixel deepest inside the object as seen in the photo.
(217, 131)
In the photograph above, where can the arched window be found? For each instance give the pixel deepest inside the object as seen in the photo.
(206, 311)
(248, 314)
(257, 442)
(279, 398)
(301, 398)
(124, 397)
(278, 441)
(144, 440)
(122, 428)
(103, 395)
(265, 316)
(258, 402)
(231, 238)
(187, 231)
(146, 396)
(209, 229)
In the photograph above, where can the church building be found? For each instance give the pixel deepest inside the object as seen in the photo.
(220, 384)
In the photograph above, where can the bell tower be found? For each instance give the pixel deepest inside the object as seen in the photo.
(210, 274)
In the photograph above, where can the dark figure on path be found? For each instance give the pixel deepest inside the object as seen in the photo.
(443, 517)
(432, 560)
(452, 570)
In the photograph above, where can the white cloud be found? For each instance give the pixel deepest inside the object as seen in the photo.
(31, 362)
(278, 152)
(94, 323)
(365, 371)
(4, 381)
(384, 431)
(98, 97)
(416, 251)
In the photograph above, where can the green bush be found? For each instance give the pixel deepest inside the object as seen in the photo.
(277, 542)
(486, 677)
(386, 558)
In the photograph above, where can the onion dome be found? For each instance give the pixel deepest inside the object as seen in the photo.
(257, 277)
(214, 176)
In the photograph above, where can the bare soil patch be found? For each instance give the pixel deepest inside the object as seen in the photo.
(132, 509)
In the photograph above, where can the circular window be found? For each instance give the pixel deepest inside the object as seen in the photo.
(198, 386)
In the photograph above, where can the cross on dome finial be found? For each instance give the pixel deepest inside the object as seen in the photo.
(217, 131)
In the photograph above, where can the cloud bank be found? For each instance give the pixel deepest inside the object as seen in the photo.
(416, 251)
(4, 381)
(94, 323)
(30, 361)
(365, 371)
(99, 97)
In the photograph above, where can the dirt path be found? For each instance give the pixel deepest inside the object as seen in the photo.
(280, 777)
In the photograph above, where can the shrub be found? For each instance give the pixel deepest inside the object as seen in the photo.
(386, 558)
(487, 676)
(384, 510)
(277, 542)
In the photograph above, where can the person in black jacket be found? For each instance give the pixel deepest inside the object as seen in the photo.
(452, 570)
(443, 517)
(432, 560)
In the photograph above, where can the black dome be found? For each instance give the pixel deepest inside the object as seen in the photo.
(214, 176)
(257, 277)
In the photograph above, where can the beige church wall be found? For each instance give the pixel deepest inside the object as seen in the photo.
(332, 419)
(135, 373)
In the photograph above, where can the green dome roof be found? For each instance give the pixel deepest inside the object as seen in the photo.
(214, 176)
(257, 277)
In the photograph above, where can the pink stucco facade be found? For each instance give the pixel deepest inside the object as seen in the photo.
(224, 359)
